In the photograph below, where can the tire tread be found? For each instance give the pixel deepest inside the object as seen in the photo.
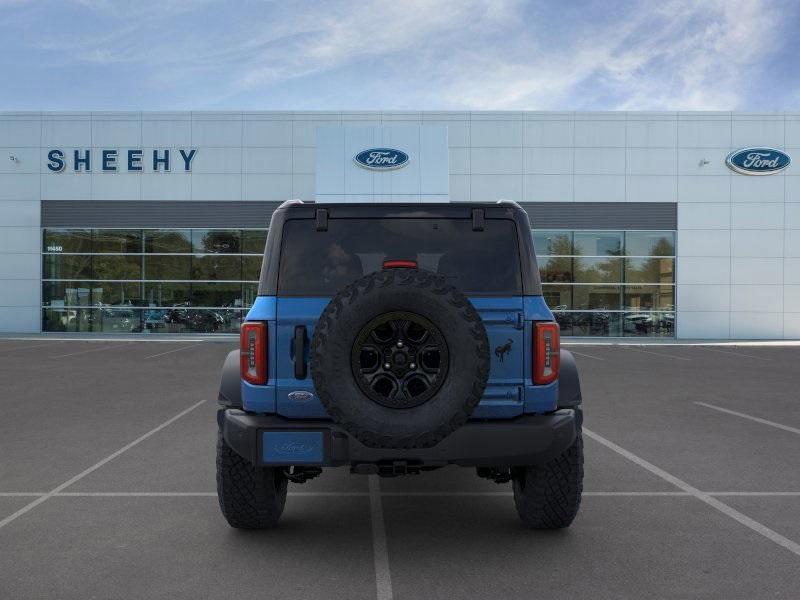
(548, 496)
(249, 496)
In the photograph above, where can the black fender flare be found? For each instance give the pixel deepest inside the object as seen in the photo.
(230, 386)
(569, 384)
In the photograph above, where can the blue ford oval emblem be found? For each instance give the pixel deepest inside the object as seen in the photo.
(381, 159)
(758, 161)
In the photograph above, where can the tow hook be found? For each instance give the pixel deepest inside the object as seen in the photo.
(496, 474)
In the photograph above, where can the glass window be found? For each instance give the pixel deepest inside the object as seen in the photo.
(249, 293)
(59, 294)
(649, 270)
(168, 241)
(558, 297)
(117, 240)
(548, 243)
(117, 320)
(251, 268)
(167, 267)
(117, 266)
(67, 240)
(67, 319)
(596, 324)
(253, 241)
(68, 266)
(196, 320)
(203, 280)
(650, 243)
(649, 297)
(597, 297)
(475, 261)
(91, 293)
(227, 241)
(556, 269)
(598, 270)
(649, 324)
(217, 294)
(564, 320)
(216, 267)
(167, 294)
(598, 243)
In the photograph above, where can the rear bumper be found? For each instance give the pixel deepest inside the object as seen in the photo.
(273, 440)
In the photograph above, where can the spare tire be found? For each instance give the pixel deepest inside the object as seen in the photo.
(400, 358)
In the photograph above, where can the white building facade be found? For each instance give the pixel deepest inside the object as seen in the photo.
(154, 222)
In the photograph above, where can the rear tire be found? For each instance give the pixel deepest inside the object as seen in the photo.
(548, 496)
(250, 497)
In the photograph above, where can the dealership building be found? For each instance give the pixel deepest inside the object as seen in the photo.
(647, 225)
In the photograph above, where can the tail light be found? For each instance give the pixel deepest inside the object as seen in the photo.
(546, 355)
(253, 352)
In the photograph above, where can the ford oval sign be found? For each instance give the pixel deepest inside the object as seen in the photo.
(381, 159)
(758, 161)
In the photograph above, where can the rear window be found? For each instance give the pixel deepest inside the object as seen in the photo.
(320, 263)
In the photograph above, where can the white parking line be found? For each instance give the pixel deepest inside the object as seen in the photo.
(24, 348)
(383, 494)
(194, 345)
(31, 505)
(751, 418)
(380, 552)
(90, 350)
(740, 354)
(134, 494)
(190, 494)
(734, 514)
(586, 355)
(657, 353)
(755, 494)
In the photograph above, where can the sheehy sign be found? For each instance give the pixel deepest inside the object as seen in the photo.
(134, 160)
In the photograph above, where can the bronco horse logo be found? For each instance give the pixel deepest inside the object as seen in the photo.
(501, 351)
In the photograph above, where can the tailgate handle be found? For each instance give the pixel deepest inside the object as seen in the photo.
(299, 346)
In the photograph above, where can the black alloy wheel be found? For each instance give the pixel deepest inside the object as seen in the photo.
(400, 359)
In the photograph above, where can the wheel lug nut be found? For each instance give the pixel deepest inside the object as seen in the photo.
(412, 366)
(400, 344)
(387, 366)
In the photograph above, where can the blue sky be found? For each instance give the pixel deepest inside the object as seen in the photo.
(400, 54)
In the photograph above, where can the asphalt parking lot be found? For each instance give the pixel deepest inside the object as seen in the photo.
(107, 489)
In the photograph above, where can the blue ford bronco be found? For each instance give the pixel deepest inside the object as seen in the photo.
(394, 339)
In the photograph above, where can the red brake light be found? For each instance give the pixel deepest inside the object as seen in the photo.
(399, 264)
(546, 355)
(253, 352)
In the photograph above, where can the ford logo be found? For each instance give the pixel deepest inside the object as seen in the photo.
(300, 396)
(295, 448)
(381, 159)
(758, 161)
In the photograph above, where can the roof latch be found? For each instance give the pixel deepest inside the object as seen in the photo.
(322, 219)
(478, 219)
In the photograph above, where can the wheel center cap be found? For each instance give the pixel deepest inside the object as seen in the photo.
(399, 359)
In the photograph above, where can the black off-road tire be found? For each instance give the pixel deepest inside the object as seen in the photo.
(549, 496)
(425, 294)
(250, 497)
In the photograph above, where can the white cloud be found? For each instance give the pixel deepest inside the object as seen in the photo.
(470, 54)
(684, 56)
(323, 39)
